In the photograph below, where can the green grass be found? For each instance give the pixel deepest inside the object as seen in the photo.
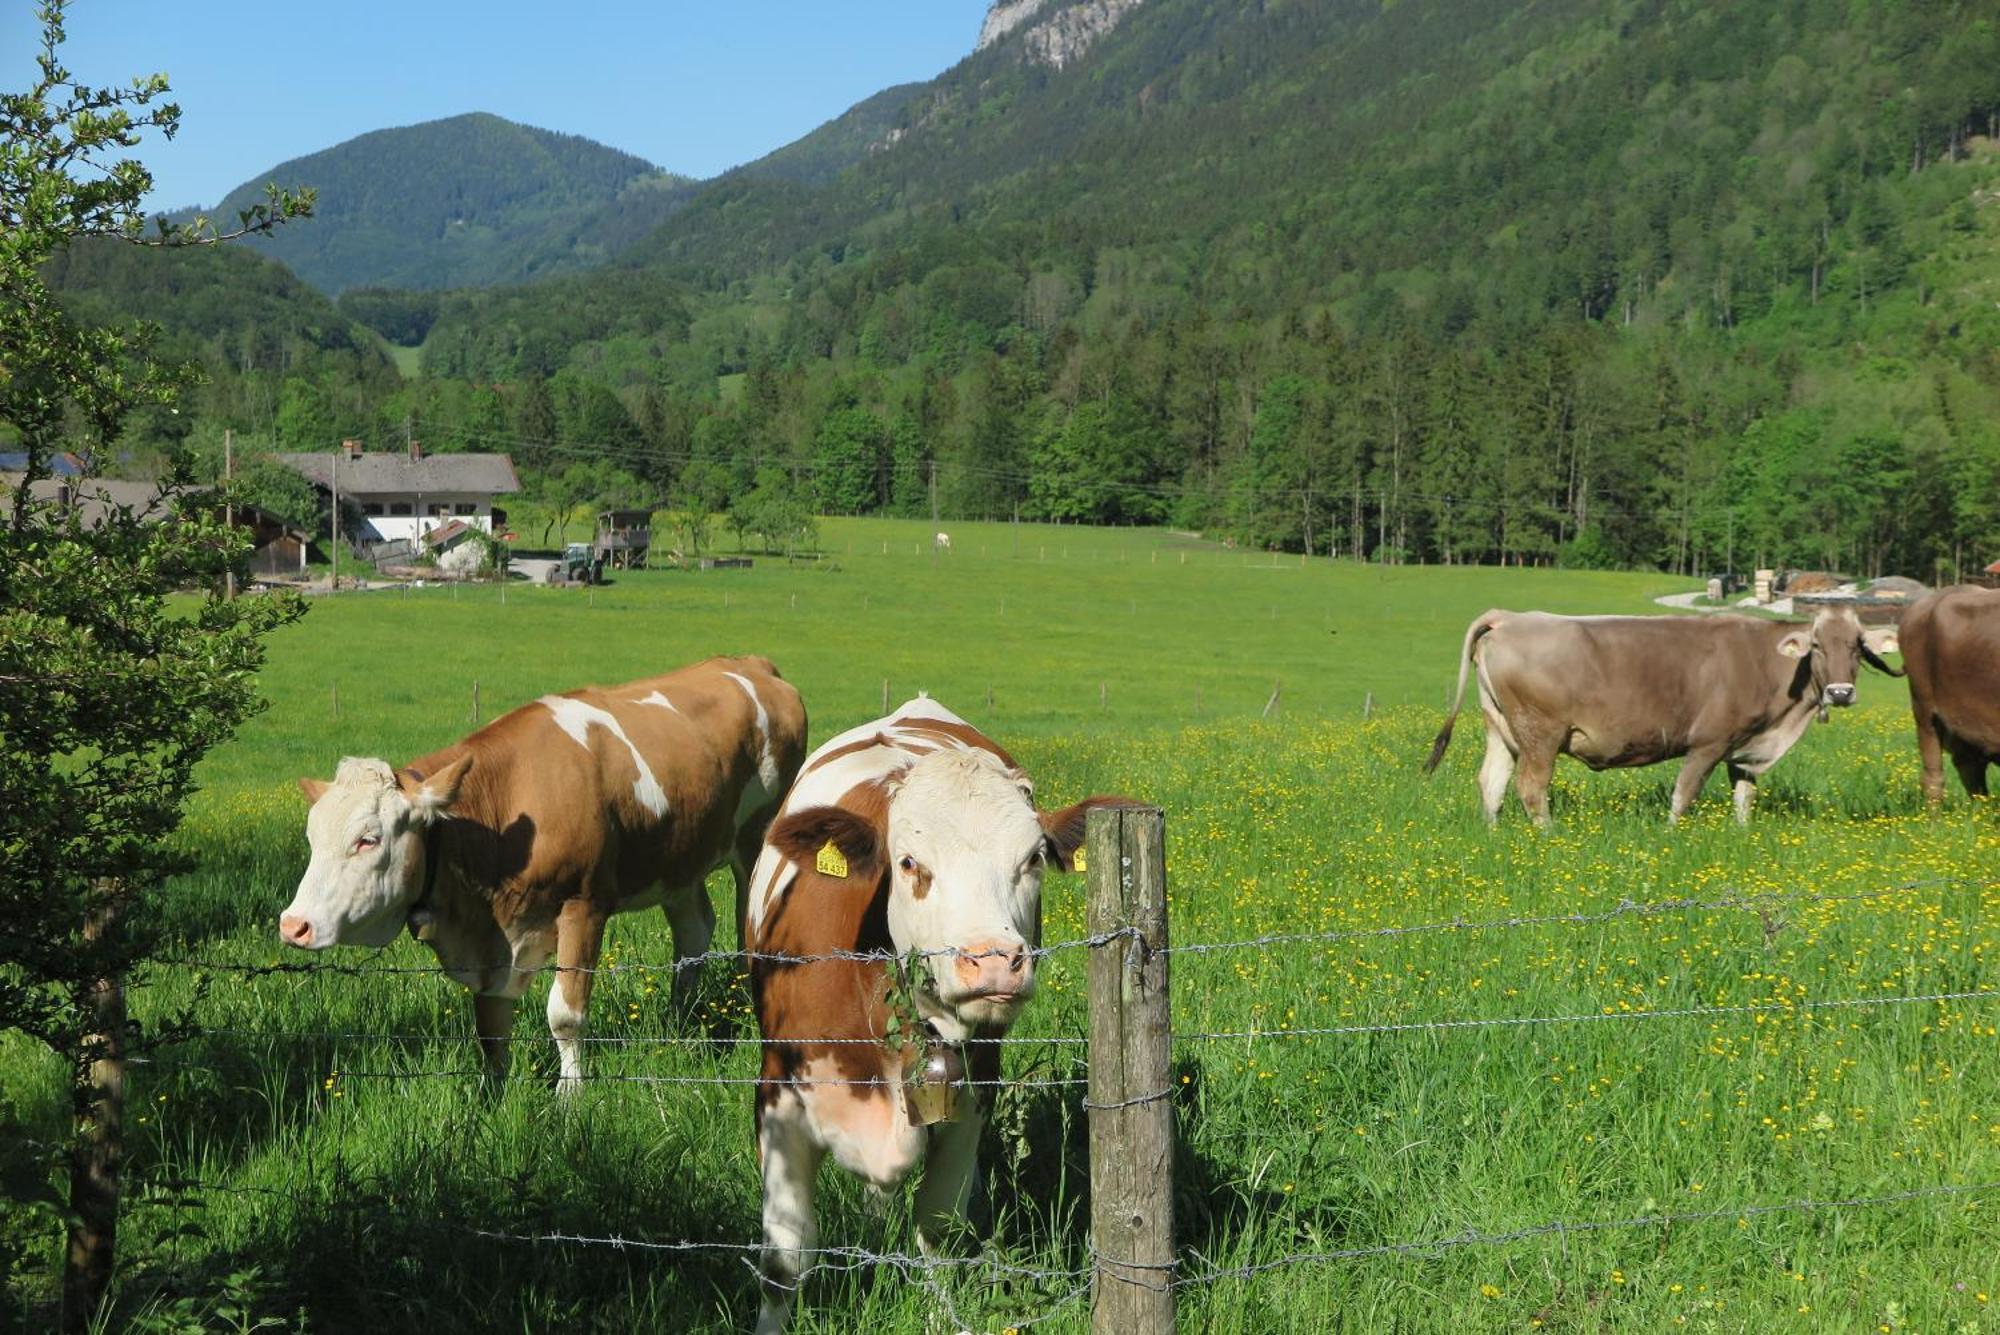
(1135, 662)
(409, 361)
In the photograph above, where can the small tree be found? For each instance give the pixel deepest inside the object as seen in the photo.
(774, 510)
(109, 693)
(701, 490)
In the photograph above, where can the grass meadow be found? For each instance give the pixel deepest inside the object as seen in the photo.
(332, 1182)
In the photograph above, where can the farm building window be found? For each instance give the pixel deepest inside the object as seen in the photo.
(399, 507)
(465, 508)
(371, 508)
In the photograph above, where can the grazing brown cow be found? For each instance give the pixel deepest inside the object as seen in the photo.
(520, 841)
(1951, 650)
(914, 833)
(1619, 691)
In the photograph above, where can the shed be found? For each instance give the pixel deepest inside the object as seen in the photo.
(624, 537)
(279, 548)
(456, 546)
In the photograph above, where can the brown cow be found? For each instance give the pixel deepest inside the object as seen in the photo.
(917, 837)
(1619, 691)
(520, 841)
(1951, 650)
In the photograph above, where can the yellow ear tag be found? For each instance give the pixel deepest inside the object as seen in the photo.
(1076, 862)
(830, 861)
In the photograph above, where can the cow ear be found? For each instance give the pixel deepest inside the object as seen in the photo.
(1062, 831)
(802, 835)
(314, 789)
(431, 797)
(1796, 645)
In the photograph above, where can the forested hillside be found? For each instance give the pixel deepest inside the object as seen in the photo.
(268, 341)
(1650, 282)
(462, 203)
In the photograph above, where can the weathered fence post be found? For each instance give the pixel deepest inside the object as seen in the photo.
(1131, 1050)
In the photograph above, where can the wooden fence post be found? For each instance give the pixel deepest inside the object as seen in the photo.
(1131, 1094)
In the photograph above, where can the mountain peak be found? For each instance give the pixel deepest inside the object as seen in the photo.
(464, 201)
(1053, 33)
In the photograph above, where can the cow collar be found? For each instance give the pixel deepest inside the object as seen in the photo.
(423, 912)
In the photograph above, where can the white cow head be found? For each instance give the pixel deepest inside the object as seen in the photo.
(961, 846)
(366, 832)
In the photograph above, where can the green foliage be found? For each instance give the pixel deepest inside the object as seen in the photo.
(848, 459)
(404, 318)
(579, 491)
(109, 693)
(775, 510)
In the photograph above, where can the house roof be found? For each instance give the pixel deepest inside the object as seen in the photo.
(95, 497)
(379, 474)
(446, 534)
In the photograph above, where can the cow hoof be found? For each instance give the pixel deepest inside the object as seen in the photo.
(568, 1085)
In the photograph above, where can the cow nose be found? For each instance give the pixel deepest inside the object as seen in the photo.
(994, 967)
(1840, 693)
(295, 931)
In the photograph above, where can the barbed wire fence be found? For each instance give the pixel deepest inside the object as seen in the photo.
(1130, 1269)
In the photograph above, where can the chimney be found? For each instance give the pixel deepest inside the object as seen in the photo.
(62, 495)
(351, 448)
(416, 450)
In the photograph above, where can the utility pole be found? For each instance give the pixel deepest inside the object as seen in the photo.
(934, 510)
(229, 505)
(333, 579)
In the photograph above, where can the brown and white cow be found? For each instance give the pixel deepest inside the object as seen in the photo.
(916, 837)
(1619, 691)
(1951, 651)
(520, 841)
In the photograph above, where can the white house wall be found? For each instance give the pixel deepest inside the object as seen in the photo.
(388, 527)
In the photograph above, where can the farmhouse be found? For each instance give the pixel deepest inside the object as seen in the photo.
(403, 495)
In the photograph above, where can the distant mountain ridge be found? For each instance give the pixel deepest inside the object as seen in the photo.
(468, 201)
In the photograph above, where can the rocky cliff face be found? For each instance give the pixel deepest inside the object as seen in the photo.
(1003, 17)
(1053, 33)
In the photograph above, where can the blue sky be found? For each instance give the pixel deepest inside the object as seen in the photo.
(696, 86)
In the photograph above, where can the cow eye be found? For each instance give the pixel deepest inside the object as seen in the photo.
(907, 863)
(365, 842)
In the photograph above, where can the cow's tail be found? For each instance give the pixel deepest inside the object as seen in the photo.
(1478, 628)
